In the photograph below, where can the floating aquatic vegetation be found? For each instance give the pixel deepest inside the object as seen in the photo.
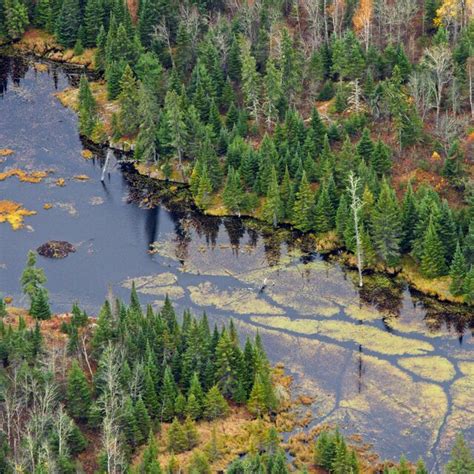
(435, 368)
(60, 182)
(157, 285)
(241, 301)
(369, 337)
(6, 152)
(47, 206)
(81, 177)
(87, 154)
(13, 213)
(24, 176)
(362, 313)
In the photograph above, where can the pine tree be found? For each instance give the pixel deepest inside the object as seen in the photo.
(78, 393)
(303, 207)
(113, 76)
(433, 263)
(420, 467)
(131, 432)
(191, 433)
(43, 17)
(105, 330)
(215, 405)
(257, 400)
(92, 22)
(69, 22)
(40, 305)
(365, 147)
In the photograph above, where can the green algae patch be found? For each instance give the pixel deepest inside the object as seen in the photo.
(435, 368)
(156, 285)
(241, 301)
(369, 337)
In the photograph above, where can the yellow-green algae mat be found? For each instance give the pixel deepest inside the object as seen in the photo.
(395, 382)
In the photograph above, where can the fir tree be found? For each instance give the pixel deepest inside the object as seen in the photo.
(168, 396)
(78, 393)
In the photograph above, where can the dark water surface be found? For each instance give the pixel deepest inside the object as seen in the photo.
(398, 370)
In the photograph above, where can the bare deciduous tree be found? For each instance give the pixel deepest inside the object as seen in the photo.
(438, 61)
(356, 206)
(420, 86)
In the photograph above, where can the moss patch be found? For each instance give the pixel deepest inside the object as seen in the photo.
(369, 337)
(435, 368)
(241, 301)
(362, 313)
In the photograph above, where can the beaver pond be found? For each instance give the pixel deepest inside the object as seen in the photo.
(389, 364)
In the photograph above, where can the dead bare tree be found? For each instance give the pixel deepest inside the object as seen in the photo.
(438, 61)
(312, 9)
(420, 86)
(356, 206)
(470, 76)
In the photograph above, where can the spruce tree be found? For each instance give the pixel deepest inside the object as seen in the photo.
(409, 220)
(69, 22)
(87, 108)
(40, 305)
(32, 277)
(78, 393)
(272, 211)
(168, 396)
(303, 207)
(204, 190)
(461, 459)
(129, 103)
(142, 418)
(233, 194)
(177, 439)
(15, 18)
(433, 262)
(215, 405)
(386, 225)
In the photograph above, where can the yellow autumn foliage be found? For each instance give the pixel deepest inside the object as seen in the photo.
(24, 176)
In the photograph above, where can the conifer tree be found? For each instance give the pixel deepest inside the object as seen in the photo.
(409, 220)
(461, 459)
(433, 263)
(40, 305)
(130, 430)
(142, 418)
(191, 433)
(386, 226)
(303, 207)
(78, 396)
(365, 147)
(273, 92)
(204, 190)
(168, 396)
(105, 330)
(150, 398)
(150, 463)
(381, 160)
(233, 194)
(215, 405)
(272, 211)
(177, 439)
(32, 277)
(250, 81)
(129, 103)
(3, 308)
(87, 108)
(468, 290)
(69, 22)
(15, 18)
